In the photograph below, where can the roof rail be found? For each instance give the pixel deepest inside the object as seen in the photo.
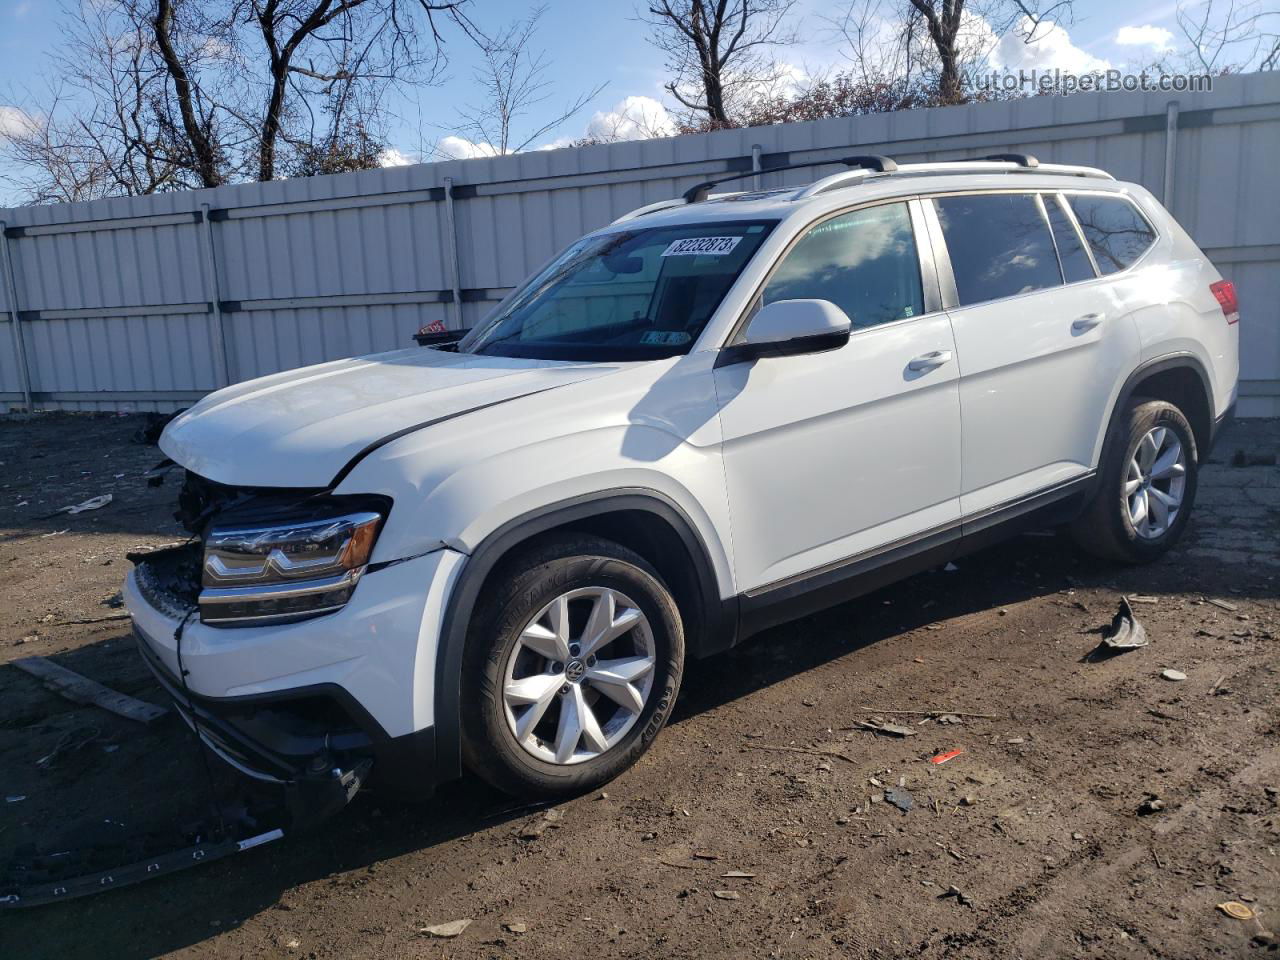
(1023, 164)
(870, 165)
(1021, 159)
(697, 194)
(650, 208)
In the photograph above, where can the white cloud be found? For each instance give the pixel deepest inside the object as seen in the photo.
(632, 118)
(14, 120)
(789, 81)
(1052, 48)
(460, 148)
(976, 38)
(1146, 35)
(393, 157)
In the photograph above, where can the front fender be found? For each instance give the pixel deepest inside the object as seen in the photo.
(478, 500)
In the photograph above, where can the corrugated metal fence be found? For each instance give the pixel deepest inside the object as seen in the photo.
(147, 303)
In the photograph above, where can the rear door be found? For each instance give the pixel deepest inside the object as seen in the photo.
(1041, 340)
(829, 456)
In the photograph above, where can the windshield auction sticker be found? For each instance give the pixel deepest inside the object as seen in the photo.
(701, 246)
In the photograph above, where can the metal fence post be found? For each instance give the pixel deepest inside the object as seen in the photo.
(756, 152)
(1170, 152)
(455, 270)
(222, 361)
(11, 289)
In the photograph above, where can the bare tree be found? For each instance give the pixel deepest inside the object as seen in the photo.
(1231, 36)
(512, 81)
(96, 132)
(841, 94)
(346, 148)
(896, 60)
(923, 47)
(718, 48)
(883, 53)
(155, 95)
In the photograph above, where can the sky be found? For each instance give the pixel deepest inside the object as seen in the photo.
(593, 42)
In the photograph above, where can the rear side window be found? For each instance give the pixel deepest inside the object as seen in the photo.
(999, 244)
(864, 262)
(1114, 229)
(1071, 252)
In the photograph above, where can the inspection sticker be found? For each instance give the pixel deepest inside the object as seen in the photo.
(701, 246)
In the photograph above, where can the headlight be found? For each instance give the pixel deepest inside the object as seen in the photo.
(269, 573)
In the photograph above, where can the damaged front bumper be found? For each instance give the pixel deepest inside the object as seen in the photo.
(303, 741)
(317, 705)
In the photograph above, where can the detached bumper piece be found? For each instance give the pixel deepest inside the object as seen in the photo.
(306, 746)
(31, 892)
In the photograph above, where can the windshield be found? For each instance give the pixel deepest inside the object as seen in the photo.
(633, 295)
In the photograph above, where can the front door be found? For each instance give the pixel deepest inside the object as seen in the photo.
(831, 455)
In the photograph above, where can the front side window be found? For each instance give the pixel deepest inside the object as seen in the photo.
(1116, 232)
(636, 294)
(865, 262)
(999, 244)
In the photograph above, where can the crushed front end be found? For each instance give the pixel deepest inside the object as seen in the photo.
(250, 629)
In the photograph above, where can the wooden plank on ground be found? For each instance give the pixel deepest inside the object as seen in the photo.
(80, 689)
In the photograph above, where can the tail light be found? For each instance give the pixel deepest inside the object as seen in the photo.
(1225, 293)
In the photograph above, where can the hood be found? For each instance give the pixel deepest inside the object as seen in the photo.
(301, 428)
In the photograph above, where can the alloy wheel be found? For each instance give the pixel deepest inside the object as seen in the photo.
(579, 675)
(1155, 482)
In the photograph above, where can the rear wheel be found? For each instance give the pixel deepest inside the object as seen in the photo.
(571, 668)
(1145, 488)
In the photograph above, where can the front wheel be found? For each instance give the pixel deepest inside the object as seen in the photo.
(571, 668)
(1145, 487)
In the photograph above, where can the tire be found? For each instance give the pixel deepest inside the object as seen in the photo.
(514, 638)
(1107, 528)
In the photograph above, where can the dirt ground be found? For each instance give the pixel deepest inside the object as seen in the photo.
(1036, 823)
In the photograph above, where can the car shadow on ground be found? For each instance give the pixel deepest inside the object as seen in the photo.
(376, 829)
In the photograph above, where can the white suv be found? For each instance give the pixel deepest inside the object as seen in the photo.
(713, 415)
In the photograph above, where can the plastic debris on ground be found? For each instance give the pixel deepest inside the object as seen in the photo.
(93, 503)
(1236, 909)
(960, 897)
(877, 725)
(1127, 632)
(446, 930)
(900, 798)
(944, 757)
(1152, 804)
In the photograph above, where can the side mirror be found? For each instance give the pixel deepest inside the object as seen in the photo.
(788, 327)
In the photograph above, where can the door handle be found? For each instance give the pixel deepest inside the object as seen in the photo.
(927, 361)
(1087, 322)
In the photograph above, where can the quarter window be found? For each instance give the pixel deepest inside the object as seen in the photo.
(999, 244)
(1071, 252)
(1116, 232)
(865, 262)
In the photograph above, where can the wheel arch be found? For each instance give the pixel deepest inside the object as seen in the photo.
(644, 520)
(1180, 379)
